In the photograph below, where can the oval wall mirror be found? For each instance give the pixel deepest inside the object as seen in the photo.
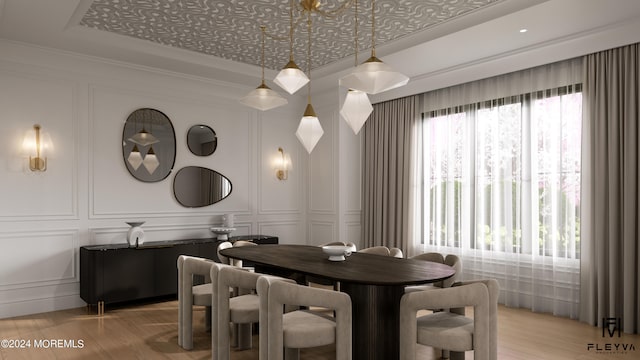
(195, 186)
(202, 140)
(149, 145)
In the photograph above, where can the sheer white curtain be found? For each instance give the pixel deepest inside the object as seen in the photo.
(496, 180)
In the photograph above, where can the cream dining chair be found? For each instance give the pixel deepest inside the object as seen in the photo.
(190, 295)
(451, 330)
(304, 328)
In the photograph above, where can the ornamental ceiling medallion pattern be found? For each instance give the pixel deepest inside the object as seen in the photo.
(230, 29)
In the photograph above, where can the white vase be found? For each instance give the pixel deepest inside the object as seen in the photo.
(135, 235)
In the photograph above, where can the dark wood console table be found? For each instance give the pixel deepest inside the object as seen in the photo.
(118, 273)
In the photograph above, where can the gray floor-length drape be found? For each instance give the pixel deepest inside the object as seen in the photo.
(386, 172)
(609, 266)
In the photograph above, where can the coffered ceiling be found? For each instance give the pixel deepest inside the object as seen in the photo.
(230, 29)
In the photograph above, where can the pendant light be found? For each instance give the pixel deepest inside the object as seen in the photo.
(309, 131)
(135, 158)
(373, 76)
(356, 107)
(150, 161)
(291, 78)
(143, 138)
(262, 97)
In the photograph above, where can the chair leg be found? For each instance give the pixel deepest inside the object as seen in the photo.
(207, 318)
(244, 336)
(291, 354)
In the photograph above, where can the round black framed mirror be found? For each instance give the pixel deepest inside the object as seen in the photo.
(202, 140)
(148, 145)
(195, 186)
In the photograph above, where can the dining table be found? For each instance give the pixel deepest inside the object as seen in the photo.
(375, 284)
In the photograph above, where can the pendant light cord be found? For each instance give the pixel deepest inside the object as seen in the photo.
(291, 4)
(373, 28)
(356, 31)
(263, 28)
(309, 56)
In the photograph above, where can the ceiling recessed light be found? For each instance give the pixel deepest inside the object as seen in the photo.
(523, 30)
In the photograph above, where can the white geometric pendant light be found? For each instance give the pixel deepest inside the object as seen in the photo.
(262, 97)
(309, 131)
(291, 78)
(373, 76)
(134, 158)
(356, 109)
(150, 161)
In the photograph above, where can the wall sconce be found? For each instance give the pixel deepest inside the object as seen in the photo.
(36, 144)
(283, 163)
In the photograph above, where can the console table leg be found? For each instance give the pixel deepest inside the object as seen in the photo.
(100, 308)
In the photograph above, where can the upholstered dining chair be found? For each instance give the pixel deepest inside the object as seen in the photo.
(190, 295)
(396, 252)
(451, 330)
(304, 328)
(227, 244)
(451, 260)
(241, 310)
(376, 250)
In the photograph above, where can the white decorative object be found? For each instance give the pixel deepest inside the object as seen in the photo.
(135, 235)
(228, 220)
(309, 131)
(356, 109)
(222, 233)
(336, 252)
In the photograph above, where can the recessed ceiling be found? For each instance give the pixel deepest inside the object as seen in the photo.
(230, 29)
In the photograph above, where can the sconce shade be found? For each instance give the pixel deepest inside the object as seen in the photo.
(135, 158)
(373, 76)
(282, 165)
(263, 98)
(150, 161)
(291, 78)
(36, 144)
(356, 109)
(143, 138)
(309, 131)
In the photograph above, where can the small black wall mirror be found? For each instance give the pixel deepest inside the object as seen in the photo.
(148, 145)
(202, 140)
(195, 186)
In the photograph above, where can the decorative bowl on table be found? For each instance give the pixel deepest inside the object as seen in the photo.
(336, 252)
(222, 232)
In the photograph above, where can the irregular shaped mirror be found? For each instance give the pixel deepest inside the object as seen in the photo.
(202, 140)
(148, 145)
(195, 186)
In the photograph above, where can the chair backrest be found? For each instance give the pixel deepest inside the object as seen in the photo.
(224, 245)
(284, 293)
(228, 277)
(187, 267)
(376, 250)
(482, 295)
(262, 288)
(396, 252)
(451, 260)
(240, 243)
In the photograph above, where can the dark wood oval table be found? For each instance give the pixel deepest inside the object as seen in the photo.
(375, 284)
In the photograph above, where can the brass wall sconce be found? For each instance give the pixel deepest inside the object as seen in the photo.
(283, 163)
(36, 144)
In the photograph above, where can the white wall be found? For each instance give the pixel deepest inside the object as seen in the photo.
(87, 194)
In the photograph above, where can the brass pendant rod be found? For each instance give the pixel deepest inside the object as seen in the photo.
(356, 31)
(373, 28)
(263, 28)
(309, 57)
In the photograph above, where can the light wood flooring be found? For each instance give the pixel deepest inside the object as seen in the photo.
(149, 331)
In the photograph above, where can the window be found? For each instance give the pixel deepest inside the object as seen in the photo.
(504, 175)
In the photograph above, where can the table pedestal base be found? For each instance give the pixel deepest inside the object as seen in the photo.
(376, 320)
